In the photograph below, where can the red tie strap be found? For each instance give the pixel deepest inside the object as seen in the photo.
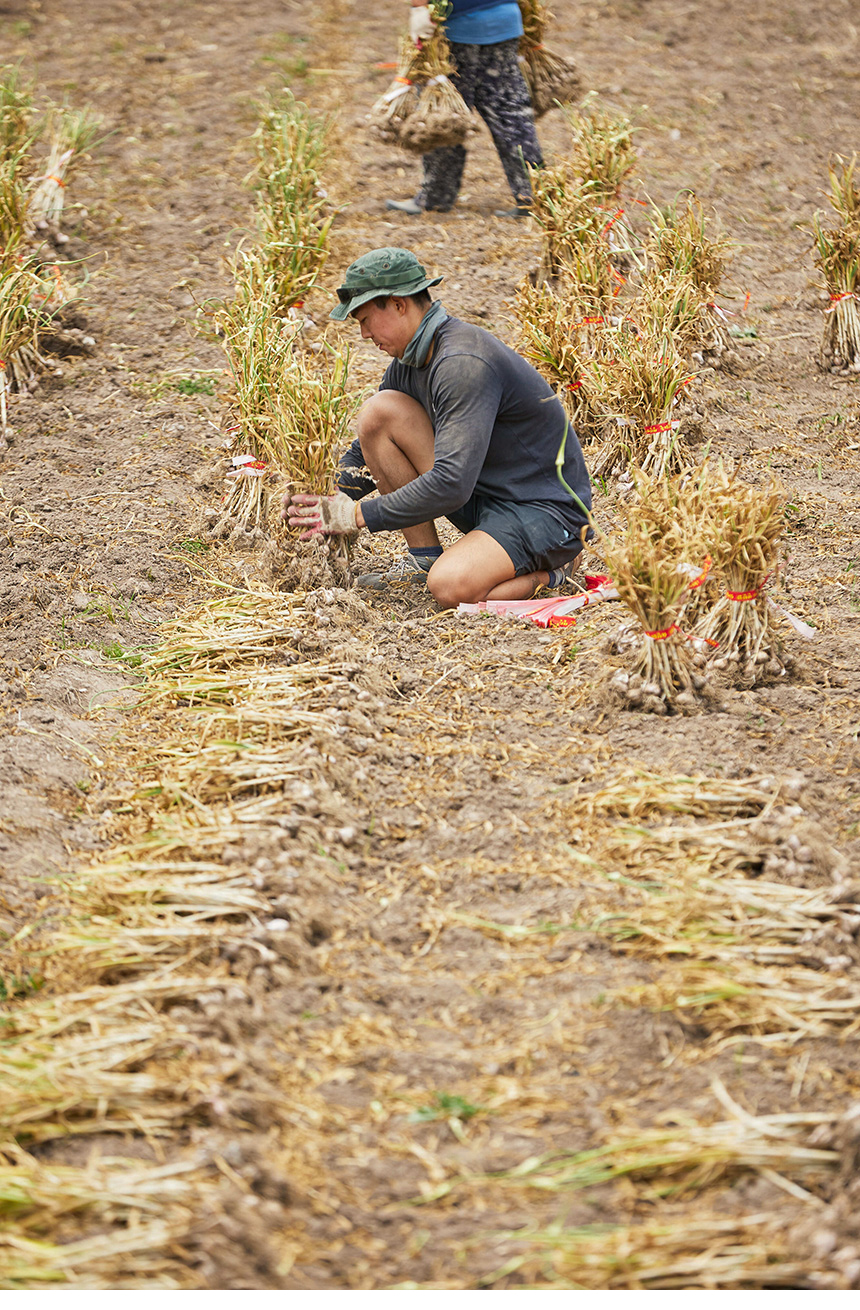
(752, 594)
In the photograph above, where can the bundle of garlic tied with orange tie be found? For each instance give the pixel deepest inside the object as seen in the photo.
(422, 110)
(551, 79)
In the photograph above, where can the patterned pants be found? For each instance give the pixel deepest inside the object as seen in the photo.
(489, 79)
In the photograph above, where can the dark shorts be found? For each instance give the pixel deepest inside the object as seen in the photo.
(534, 539)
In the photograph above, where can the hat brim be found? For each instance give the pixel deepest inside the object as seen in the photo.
(359, 298)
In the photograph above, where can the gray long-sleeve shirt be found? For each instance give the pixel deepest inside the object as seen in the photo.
(498, 428)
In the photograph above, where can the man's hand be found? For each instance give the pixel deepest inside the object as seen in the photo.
(421, 25)
(321, 516)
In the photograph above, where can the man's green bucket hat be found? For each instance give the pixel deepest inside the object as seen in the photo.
(387, 272)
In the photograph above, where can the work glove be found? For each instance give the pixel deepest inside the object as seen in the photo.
(315, 516)
(421, 25)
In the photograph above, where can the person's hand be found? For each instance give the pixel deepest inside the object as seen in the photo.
(421, 25)
(320, 516)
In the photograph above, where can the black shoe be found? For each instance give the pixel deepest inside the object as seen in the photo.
(405, 206)
(518, 211)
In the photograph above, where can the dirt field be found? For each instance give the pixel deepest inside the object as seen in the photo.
(355, 1026)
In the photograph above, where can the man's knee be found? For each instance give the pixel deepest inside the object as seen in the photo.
(443, 588)
(450, 585)
(373, 420)
(382, 414)
(392, 420)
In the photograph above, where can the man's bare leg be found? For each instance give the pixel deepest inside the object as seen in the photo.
(477, 568)
(397, 442)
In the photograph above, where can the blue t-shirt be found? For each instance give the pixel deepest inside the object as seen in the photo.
(483, 24)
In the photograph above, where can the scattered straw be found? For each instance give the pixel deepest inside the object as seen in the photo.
(687, 1251)
(683, 1157)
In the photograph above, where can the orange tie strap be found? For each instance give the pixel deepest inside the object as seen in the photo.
(613, 220)
(400, 87)
(702, 578)
(52, 177)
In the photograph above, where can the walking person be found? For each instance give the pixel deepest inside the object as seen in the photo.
(483, 36)
(461, 427)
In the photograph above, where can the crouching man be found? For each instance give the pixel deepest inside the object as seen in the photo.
(461, 427)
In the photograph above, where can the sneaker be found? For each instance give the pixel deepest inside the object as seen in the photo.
(558, 577)
(406, 570)
(405, 206)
